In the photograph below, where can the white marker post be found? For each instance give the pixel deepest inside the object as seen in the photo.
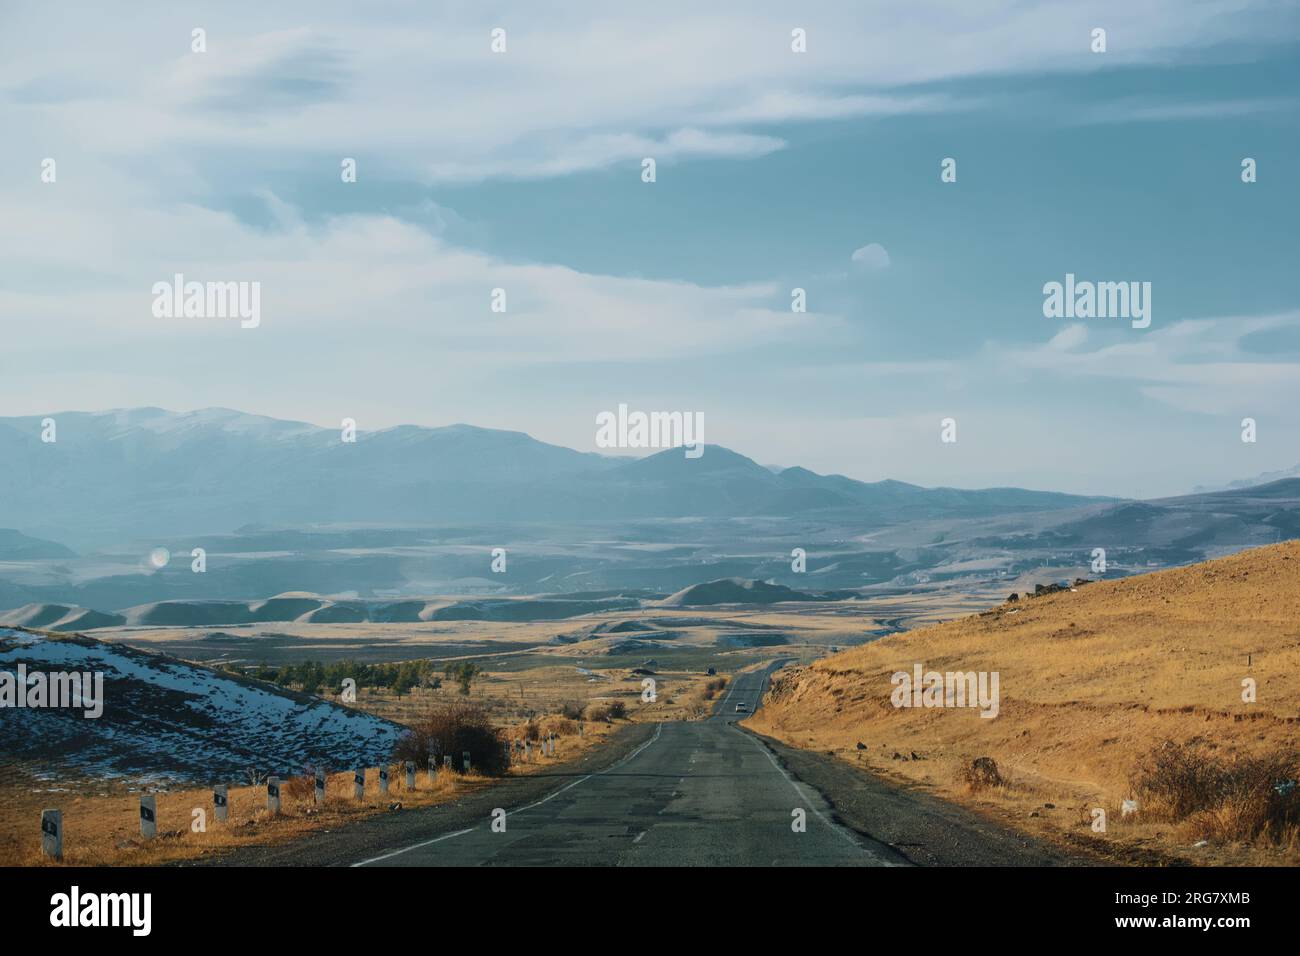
(148, 816)
(410, 775)
(446, 761)
(52, 834)
(221, 802)
(383, 781)
(528, 751)
(580, 727)
(359, 784)
(465, 756)
(320, 786)
(273, 794)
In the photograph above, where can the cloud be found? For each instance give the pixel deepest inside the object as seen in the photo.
(416, 88)
(359, 274)
(276, 73)
(1196, 365)
(598, 151)
(871, 256)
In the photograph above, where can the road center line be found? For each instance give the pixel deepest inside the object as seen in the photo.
(447, 836)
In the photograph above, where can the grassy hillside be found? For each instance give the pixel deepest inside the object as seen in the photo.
(1092, 682)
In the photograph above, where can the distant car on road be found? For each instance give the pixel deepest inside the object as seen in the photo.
(742, 707)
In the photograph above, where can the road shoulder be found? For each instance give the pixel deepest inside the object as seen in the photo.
(922, 828)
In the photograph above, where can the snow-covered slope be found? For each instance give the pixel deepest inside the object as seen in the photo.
(166, 719)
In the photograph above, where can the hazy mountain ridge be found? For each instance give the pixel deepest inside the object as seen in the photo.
(408, 514)
(153, 473)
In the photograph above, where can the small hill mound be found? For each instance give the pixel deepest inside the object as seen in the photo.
(188, 614)
(336, 613)
(60, 617)
(623, 627)
(742, 591)
(168, 720)
(286, 607)
(398, 612)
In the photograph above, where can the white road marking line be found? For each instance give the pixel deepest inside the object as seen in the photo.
(447, 836)
(812, 805)
(639, 836)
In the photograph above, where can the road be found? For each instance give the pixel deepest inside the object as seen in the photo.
(698, 793)
(692, 793)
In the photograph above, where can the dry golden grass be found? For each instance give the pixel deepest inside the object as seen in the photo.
(1091, 680)
(510, 698)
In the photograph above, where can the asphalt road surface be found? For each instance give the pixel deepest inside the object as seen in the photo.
(698, 793)
(682, 793)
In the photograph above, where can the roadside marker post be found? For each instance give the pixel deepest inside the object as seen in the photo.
(466, 759)
(410, 775)
(528, 751)
(273, 794)
(320, 786)
(148, 816)
(221, 802)
(446, 761)
(359, 784)
(383, 781)
(52, 834)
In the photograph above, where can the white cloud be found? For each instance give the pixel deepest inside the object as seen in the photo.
(871, 256)
(415, 89)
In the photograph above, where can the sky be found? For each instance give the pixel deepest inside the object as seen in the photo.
(775, 170)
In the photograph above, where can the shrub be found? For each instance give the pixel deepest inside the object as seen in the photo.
(617, 710)
(981, 774)
(300, 787)
(456, 726)
(713, 687)
(1242, 798)
(572, 710)
(562, 726)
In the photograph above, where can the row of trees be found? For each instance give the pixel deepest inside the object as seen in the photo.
(313, 677)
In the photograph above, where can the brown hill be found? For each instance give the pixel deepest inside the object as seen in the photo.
(1091, 682)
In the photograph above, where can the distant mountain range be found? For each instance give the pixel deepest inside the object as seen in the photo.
(1264, 479)
(148, 473)
(393, 525)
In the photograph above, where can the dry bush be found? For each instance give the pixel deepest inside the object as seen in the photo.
(562, 726)
(1224, 799)
(714, 687)
(302, 787)
(456, 726)
(598, 712)
(617, 710)
(981, 774)
(572, 710)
